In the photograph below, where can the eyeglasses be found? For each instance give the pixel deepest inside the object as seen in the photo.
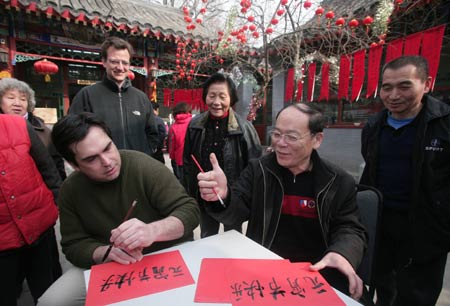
(118, 62)
(288, 138)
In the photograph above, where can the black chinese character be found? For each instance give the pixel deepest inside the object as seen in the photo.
(275, 289)
(124, 278)
(237, 291)
(316, 284)
(158, 273)
(296, 289)
(176, 271)
(254, 286)
(108, 282)
(143, 276)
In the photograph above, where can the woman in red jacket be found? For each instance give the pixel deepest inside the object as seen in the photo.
(29, 183)
(177, 132)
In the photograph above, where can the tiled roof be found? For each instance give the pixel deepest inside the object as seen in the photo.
(350, 7)
(138, 17)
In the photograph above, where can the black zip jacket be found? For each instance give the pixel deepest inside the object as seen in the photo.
(127, 111)
(429, 212)
(258, 195)
(241, 144)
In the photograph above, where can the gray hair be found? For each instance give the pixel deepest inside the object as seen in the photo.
(8, 84)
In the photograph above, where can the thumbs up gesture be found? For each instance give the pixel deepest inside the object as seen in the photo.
(212, 182)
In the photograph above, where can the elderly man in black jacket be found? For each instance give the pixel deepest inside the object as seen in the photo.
(297, 204)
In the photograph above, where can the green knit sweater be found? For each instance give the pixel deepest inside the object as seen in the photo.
(90, 210)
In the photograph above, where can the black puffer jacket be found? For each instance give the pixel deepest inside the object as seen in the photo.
(241, 144)
(258, 196)
(429, 213)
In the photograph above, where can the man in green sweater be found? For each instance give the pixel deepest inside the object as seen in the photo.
(95, 199)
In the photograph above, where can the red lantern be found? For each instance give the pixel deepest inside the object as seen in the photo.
(274, 21)
(340, 22)
(252, 27)
(280, 12)
(307, 4)
(320, 11)
(329, 15)
(373, 45)
(367, 22)
(284, 2)
(46, 68)
(353, 23)
(131, 75)
(250, 18)
(269, 31)
(255, 34)
(202, 10)
(198, 20)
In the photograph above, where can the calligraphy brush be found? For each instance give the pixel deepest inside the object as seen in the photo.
(201, 170)
(130, 210)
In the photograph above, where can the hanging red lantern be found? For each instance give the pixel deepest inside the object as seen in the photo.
(353, 23)
(373, 45)
(255, 34)
(198, 20)
(307, 4)
(280, 12)
(320, 11)
(244, 10)
(46, 68)
(329, 15)
(274, 21)
(251, 18)
(340, 22)
(269, 31)
(202, 10)
(131, 75)
(187, 19)
(367, 22)
(284, 2)
(252, 27)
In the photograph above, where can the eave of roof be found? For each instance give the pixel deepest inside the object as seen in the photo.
(134, 17)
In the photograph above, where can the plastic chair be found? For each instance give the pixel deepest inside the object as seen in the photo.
(369, 200)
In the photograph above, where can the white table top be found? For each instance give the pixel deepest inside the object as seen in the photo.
(231, 244)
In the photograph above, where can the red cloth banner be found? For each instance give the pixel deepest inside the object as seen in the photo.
(359, 59)
(182, 95)
(394, 50)
(431, 49)
(344, 75)
(299, 96)
(412, 44)
(197, 99)
(311, 81)
(289, 93)
(373, 74)
(325, 88)
(167, 96)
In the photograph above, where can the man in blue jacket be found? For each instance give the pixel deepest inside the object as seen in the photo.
(126, 110)
(406, 148)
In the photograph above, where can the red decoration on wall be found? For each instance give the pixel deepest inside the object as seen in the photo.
(358, 73)
(394, 50)
(289, 91)
(412, 44)
(311, 81)
(325, 88)
(373, 73)
(431, 49)
(344, 75)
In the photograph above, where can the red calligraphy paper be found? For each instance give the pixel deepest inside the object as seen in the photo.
(112, 282)
(212, 285)
(289, 93)
(325, 88)
(373, 74)
(311, 81)
(359, 58)
(261, 282)
(431, 49)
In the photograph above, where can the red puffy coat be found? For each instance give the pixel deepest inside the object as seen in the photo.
(177, 133)
(27, 206)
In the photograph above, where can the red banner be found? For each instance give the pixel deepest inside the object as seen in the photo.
(167, 96)
(289, 85)
(344, 75)
(394, 50)
(311, 81)
(299, 96)
(431, 49)
(412, 44)
(373, 74)
(325, 88)
(359, 59)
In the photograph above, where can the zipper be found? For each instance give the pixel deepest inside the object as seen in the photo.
(319, 213)
(279, 211)
(121, 119)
